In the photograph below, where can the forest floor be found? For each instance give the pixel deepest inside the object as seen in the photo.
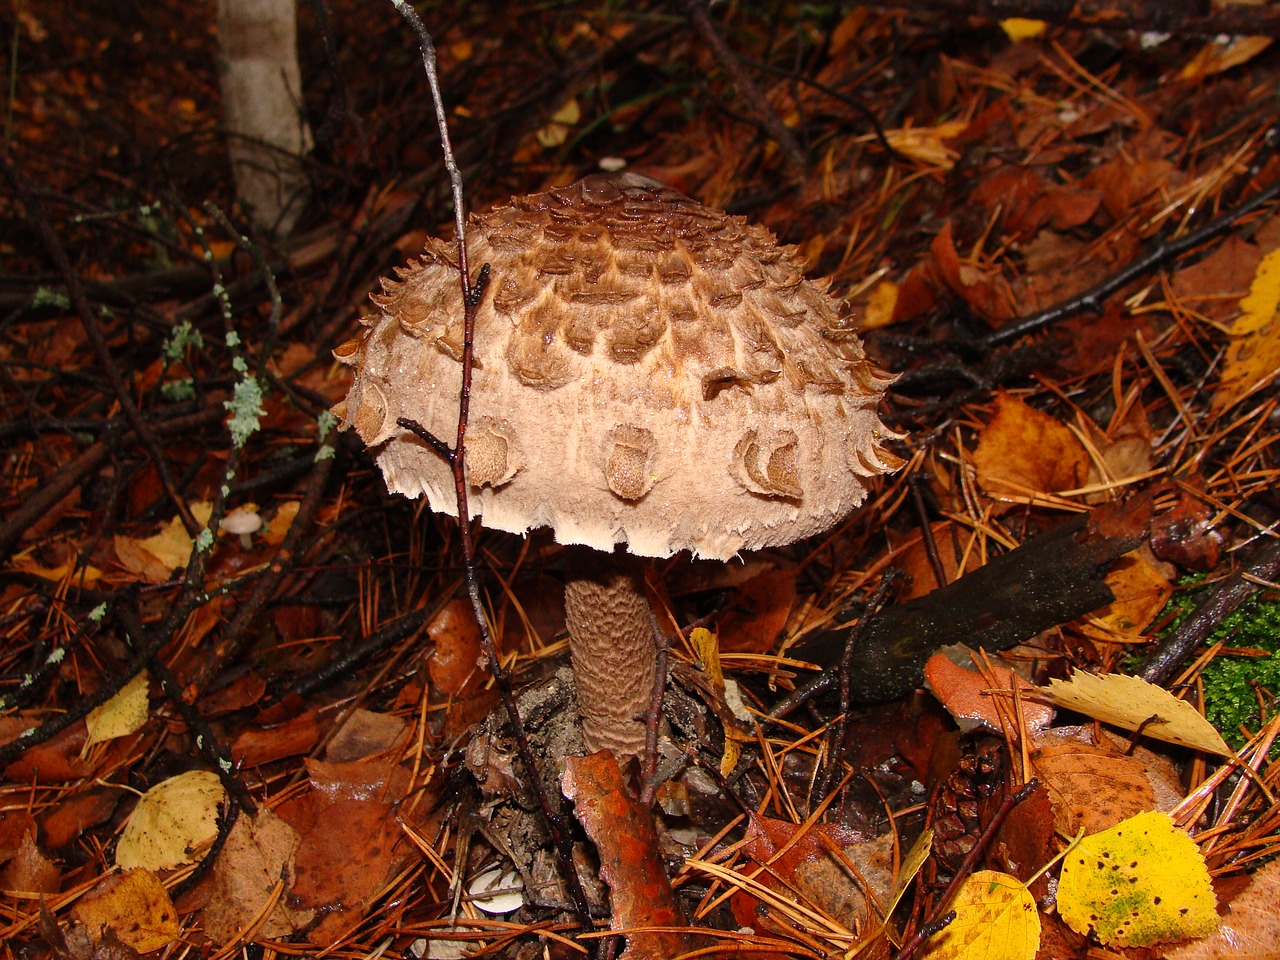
(1065, 239)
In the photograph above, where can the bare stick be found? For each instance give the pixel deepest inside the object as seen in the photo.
(456, 458)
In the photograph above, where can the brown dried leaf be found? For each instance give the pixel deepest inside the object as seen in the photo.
(30, 871)
(1092, 788)
(259, 852)
(57, 759)
(630, 861)
(1023, 452)
(343, 861)
(454, 664)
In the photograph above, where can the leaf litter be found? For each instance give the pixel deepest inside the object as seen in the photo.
(318, 663)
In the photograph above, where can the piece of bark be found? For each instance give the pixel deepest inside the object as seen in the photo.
(1047, 581)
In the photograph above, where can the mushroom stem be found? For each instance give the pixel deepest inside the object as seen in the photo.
(611, 644)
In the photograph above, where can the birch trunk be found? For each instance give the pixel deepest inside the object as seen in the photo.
(267, 132)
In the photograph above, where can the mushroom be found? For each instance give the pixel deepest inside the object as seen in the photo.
(650, 375)
(244, 522)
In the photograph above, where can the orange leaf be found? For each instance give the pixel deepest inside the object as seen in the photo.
(1023, 452)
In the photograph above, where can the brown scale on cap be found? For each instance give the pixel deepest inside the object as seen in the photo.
(648, 372)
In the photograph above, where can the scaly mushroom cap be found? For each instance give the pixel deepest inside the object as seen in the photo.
(648, 371)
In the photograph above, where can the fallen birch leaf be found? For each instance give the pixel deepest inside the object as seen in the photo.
(996, 919)
(123, 714)
(134, 906)
(1251, 927)
(1253, 354)
(1142, 882)
(1134, 704)
(630, 862)
(170, 819)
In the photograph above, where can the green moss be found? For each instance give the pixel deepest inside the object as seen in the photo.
(1235, 687)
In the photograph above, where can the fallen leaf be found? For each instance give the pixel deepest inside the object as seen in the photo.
(1253, 354)
(929, 145)
(757, 612)
(1220, 55)
(155, 558)
(1134, 704)
(1251, 927)
(1140, 883)
(806, 864)
(630, 861)
(134, 906)
(1141, 592)
(1023, 452)
(971, 698)
(30, 871)
(996, 919)
(70, 817)
(1092, 788)
(58, 758)
(343, 861)
(455, 662)
(169, 820)
(123, 714)
(257, 858)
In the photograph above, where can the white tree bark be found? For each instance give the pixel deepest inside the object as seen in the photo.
(267, 132)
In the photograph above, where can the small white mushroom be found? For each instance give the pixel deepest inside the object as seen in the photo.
(650, 374)
(243, 522)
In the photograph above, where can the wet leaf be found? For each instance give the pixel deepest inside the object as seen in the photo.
(1023, 452)
(250, 872)
(170, 819)
(123, 714)
(1253, 356)
(1135, 704)
(996, 919)
(134, 906)
(1140, 883)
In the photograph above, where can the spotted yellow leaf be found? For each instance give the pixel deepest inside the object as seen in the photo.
(170, 820)
(1140, 883)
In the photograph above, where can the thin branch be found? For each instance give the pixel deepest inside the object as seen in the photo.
(561, 838)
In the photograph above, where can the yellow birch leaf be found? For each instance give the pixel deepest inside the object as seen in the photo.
(880, 306)
(170, 819)
(707, 646)
(1140, 883)
(996, 919)
(123, 714)
(1132, 703)
(1253, 355)
(911, 865)
(133, 905)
